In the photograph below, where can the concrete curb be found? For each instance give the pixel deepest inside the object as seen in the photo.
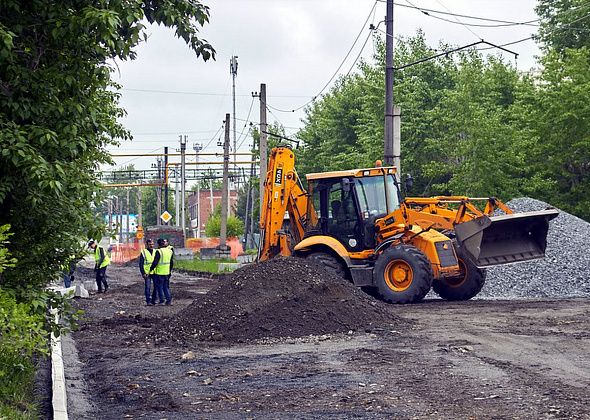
(59, 400)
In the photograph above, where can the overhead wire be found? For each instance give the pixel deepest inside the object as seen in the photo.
(457, 20)
(423, 10)
(179, 92)
(245, 125)
(337, 70)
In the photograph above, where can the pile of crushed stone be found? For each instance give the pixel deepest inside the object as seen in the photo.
(565, 270)
(283, 297)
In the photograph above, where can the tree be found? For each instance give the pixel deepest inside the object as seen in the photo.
(235, 227)
(58, 112)
(149, 204)
(559, 117)
(564, 24)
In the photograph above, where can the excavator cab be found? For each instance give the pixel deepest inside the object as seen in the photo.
(346, 204)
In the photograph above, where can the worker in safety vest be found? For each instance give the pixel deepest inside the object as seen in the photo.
(171, 248)
(102, 260)
(162, 266)
(146, 258)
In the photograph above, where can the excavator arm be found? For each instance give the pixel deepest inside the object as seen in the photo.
(283, 194)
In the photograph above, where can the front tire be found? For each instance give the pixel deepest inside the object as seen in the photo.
(402, 274)
(329, 262)
(464, 287)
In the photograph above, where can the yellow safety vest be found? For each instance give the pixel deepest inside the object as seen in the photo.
(163, 267)
(148, 259)
(106, 260)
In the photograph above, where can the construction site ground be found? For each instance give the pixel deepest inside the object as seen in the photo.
(476, 359)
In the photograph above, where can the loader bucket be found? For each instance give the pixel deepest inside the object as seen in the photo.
(505, 239)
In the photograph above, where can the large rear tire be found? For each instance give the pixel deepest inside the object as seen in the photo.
(464, 287)
(402, 274)
(329, 262)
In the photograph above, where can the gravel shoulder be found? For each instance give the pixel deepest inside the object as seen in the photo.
(479, 359)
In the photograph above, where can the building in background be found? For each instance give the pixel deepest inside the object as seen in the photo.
(208, 203)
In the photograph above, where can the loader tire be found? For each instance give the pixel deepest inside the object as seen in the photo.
(464, 287)
(402, 274)
(329, 262)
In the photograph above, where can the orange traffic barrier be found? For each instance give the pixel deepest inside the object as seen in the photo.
(197, 243)
(123, 253)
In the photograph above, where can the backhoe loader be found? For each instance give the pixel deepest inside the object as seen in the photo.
(355, 223)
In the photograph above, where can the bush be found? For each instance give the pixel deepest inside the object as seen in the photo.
(22, 335)
(235, 227)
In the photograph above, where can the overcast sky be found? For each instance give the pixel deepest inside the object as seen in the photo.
(294, 46)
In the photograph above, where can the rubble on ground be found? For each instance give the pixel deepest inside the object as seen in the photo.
(565, 270)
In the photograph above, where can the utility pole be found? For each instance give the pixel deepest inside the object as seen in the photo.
(224, 192)
(159, 194)
(120, 205)
(263, 142)
(177, 197)
(233, 68)
(182, 186)
(128, 224)
(110, 215)
(388, 137)
(165, 179)
(211, 195)
(198, 147)
(139, 213)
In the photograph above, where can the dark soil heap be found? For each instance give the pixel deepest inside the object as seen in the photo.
(284, 297)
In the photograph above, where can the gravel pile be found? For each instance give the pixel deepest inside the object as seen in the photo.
(565, 270)
(283, 297)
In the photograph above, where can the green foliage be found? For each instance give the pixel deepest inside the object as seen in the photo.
(22, 335)
(206, 266)
(149, 205)
(6, 260)
(471, 125)
(59, 111)
(564, 24)
(235, 227)
(559, 118)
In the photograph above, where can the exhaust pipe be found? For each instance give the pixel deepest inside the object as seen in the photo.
(505, 239)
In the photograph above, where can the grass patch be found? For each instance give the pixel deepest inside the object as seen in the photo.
(207, 266)
(16, 387)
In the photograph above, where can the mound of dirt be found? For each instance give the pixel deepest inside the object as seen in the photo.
(284, 297)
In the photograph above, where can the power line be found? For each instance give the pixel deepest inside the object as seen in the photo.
(457, 20)
(337, 70)
(245, 125)
(214, 135)
(180, 92)
(173, 132)
(422, 9)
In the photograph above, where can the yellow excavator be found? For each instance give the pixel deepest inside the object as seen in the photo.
(356, 224)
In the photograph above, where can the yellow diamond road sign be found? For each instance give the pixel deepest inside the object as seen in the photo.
(166, 217)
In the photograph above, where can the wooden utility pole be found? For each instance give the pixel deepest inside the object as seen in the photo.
(388, 137)
(263, 142)
(182, 187)
(224, 192)
(159, 194)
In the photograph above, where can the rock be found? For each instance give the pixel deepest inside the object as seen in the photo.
(81, 291)
(189, 355)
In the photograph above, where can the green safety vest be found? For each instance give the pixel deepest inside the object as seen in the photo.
(106, 260)
(148, 259)
(163, 267)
